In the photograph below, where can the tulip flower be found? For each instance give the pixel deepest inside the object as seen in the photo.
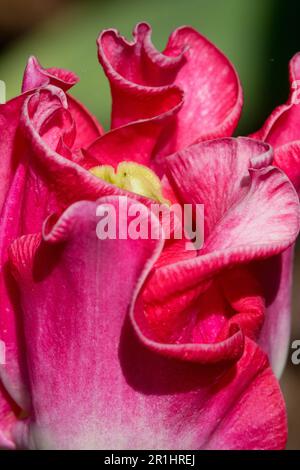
(141, 343)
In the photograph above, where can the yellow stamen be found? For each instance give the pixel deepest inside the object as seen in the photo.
(132, 177)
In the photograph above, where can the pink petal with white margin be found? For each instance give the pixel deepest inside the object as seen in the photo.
(213, 96)
(27, 200)
(81, 345)
(137, 141)
(9, 122)
(256, 217)
(13, 171)
(216, 174)
(8, 419)
(275, 275)
(26, 195)
(35, 76)
(138, 86)
(136, 71)
(68, 177)
(145, 101)
(281, 129)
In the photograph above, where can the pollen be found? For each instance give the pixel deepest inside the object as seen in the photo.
(132, 177)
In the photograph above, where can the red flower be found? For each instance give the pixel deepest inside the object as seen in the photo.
(141, 343)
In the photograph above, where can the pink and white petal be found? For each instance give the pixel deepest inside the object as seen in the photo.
(35, 76)
(28, 197)
(87, 127)
(136, 71)
(245, 297)
(212, 314)
(137, 141)
(73, 346)
(8, 420)
(287, 157)
(69, 179)
(84, 349)
(257, 418)
(281, 129)
(139, 89)
(9, 122)
(216, 174)
(275, 276)
(282, 126)
(208, 406)
(187, 327)
(144, 99)
(13, 175)
(213, 96)
(263, 221)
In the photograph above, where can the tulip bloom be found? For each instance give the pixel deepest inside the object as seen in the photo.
(141, 343)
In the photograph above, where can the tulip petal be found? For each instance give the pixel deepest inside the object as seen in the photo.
(9, 123)
(275, 277)
(281, 129)
(212, 96)
(67, 174)
(35, 76)
(13, 174)
(81, 264)
(144, 100)
(83, 348)
(8, 419)
(87, 127)
(23, 209)
(137, 141)
(257, 216)
(27, 197)
(140, 88)
(212, 91)
(215, 174)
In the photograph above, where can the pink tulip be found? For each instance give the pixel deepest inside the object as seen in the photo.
(129, 344)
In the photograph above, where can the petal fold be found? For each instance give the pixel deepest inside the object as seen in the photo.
(84, 348)
(281, 129)
(145, 82)
(251, 212)
(35, 76)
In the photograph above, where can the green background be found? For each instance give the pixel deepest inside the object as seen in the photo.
(257, 35)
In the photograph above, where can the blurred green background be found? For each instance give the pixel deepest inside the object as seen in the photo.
(259, 36)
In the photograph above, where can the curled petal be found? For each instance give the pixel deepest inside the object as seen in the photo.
(66, 175)
(87, 127)
(245, 297)
(145, 82)
(135, 142)
(9, 122)
(256, 218)
(9, 413)
(27, 196)
(13, 175)
(80, 341)
(135, 95)
(281, 129)
(212, 92)
(216, 174)
(35, 76)
(275, 276)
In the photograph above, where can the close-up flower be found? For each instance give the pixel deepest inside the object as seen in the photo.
(146, 342)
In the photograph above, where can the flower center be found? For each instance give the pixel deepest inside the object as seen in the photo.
(132, 177)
